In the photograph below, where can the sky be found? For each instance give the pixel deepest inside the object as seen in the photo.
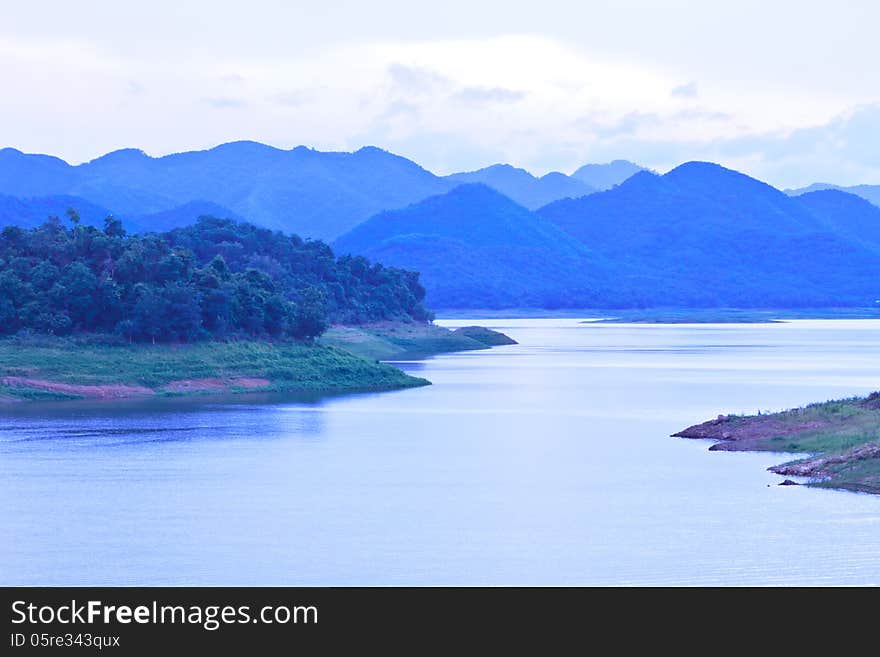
(786, 91)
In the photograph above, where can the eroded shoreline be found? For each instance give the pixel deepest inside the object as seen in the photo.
(840, 440)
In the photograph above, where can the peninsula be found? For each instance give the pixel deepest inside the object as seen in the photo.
(216, 307)
(840, 441)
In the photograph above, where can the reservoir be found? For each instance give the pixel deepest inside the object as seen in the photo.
(547, 462)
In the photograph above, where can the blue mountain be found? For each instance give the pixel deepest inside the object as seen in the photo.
(703, 235)
(868, 192)
(524, 188)
(606, 176)
(30, 212)
(845, 214)
(303, 191)
(476, 248)
(182, 215)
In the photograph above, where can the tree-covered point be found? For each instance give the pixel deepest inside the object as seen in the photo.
(214, 279)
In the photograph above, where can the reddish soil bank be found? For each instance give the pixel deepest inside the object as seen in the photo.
(118, 391)
(738, 434)
(114, 391)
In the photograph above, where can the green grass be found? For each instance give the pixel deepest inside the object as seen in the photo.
(287, 365)
(845, 423)
(831, 429)
(484, 335)
(398, 341)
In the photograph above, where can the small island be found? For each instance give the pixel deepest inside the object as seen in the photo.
(216, 307)
(841, 439)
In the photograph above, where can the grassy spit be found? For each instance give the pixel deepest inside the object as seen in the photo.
(397, 341)
(39, 367)
(841, 437)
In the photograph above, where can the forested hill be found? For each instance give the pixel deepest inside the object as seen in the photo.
(702, 235)
(215, 279)
(476, 248)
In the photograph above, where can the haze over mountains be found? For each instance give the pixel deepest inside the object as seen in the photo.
(606, 176)
(612, 235)
(524, 188)
(868, 192)
(303, 191)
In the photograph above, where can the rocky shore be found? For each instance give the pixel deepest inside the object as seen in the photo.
(840, 438)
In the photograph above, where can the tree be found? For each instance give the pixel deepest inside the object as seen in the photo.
(113, 227)
(215, 279)
(309, 315)
(8, 315)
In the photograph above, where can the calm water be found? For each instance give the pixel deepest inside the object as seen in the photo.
(543, 463)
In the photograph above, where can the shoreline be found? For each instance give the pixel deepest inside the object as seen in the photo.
(839, 441)
(667, 315)
(42, 368)
(390, 341)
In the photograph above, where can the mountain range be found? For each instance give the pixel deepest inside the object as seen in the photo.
(524, 188)
(303, 191)
(703, 235)
(612, 235)
(698, 236)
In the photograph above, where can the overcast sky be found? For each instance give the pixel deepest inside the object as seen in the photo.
(787, 91)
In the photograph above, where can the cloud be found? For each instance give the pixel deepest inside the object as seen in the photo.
(413, 79)
(629, 124)
(293, 98)
(488, 95)
(450, 104)
(688, 90)
(225, 103)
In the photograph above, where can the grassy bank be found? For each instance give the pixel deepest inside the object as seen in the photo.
(842, 439)
(64, 368)
(398, 341)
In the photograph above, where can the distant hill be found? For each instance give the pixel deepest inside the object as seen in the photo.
(868, 192)
(183, 215)
(845, 214)
(476, 248)
(524, 188)
(606, 176)
(302, 191)
(703, 235)
(31, 212)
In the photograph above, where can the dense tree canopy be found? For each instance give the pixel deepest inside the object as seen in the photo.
(214, 279)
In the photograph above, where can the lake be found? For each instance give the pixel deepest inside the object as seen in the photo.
(548, 462)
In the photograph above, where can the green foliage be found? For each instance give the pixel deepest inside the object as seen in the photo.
(214, 279)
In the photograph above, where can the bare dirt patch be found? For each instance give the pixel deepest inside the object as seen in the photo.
(114, 391)
(739, 434)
